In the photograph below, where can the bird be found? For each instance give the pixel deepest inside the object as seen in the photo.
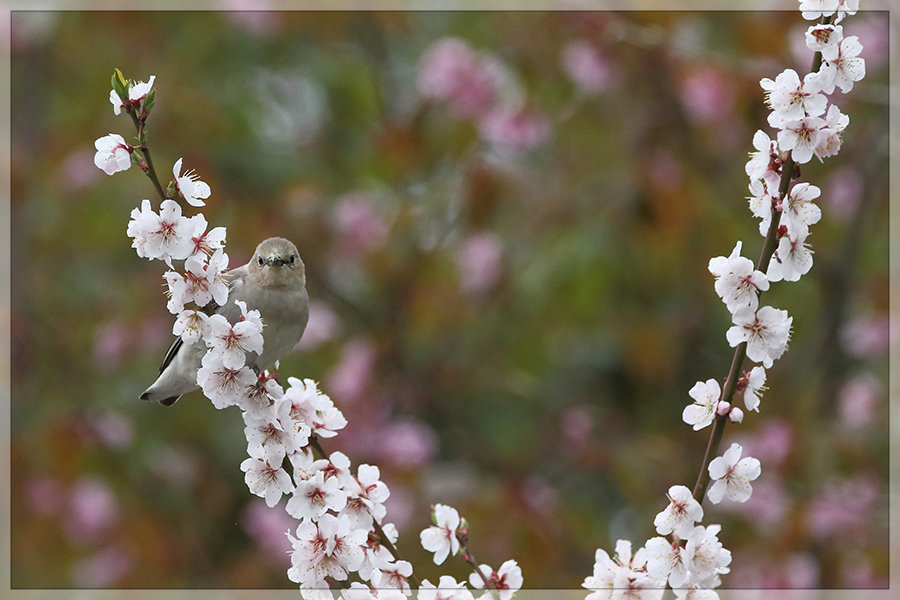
(274, 283)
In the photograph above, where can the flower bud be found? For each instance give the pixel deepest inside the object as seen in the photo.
(736, 415)
(722, 408)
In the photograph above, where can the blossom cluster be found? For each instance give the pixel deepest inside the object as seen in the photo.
(477, 85)
(340, 513)
(690, 559)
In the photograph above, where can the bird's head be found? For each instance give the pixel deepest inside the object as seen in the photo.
(276, 262)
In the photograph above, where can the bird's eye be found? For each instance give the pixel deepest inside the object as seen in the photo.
(261, 261)
(292, 259)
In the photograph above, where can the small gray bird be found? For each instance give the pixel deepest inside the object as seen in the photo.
(274, 283)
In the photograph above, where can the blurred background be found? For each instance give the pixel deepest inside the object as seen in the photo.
(506, 220)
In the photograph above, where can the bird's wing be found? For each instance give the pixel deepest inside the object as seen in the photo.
(235, 279)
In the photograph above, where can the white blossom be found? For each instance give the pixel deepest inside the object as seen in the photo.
(798, 210)
(223, 385)
(732, 475)
(792, 99)
(441, 538)
(507, 580)
(113, 154)
(163, 236)
(766, 332)
(737, 282)
(681, 513)
(189, 186)
(265, 479)
(751, 385)
(703, 410)
(705, 557)
(822, 36)
(791, 259)
(446, 589)
(801, 137)
(316, 495)
(327, 548)
(842, 66)
(191, 325)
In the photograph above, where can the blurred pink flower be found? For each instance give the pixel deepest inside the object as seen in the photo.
(45, 495)
(349, 379)
(842, 507)
(323, 324)
(766, 508)
(102, 569)
(78, 170)
(577, 425)
(858, 399)
(359, 228)
(869, 335)
(111, 339)
(590, 70)
(112, 428)
(266, 526)
(92, 511)
(407, 444)
(796, 571)
(540, 495)
(479, 260)
(451, 71)
(514, 129)
(845, 186)
(707, 97)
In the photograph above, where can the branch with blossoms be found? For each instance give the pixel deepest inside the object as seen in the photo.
(341, 539)
(690, 559)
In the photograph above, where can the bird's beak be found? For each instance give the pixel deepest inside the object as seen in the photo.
(276, 261)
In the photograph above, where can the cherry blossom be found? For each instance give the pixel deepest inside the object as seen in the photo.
(222, 385)
(441, 538)
(830, 134)
(265, 479)
(233, 341)
(766, 332)
(737, 282)
(762, 198)
(506, 580)
(136, 92)
(393, 575)
(113, 154)
(822, 36)
(310, 406)
(665, 561)
(705, 557)
(765, 162)
(842, 66)
(367, 494)
(201, 283)
(191, 325)
(791, 260)
(751, 385)
(204, 241)
(815, 9)
(801, 137)
(189, 186)
(681, 513)
(451, 71)
(316, 495)
(622, 572)
(732, 475)
(703, 410)
(792, 99)
(273, 433)
(327, 548)
(446, 589)
(799, 212)
(163, 236)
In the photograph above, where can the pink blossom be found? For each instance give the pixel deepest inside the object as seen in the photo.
(869, 335)
(845, 188)
(45, 495)
(842, 507)
(349, 379)
(451, 71)
(479, 260)
(590, 70)
(322, 326)
(707, 97)
(407, 444)
(514, 129)
(93, 510)
(111, 340)
(102, 569)
(360, 228)
(858, 399)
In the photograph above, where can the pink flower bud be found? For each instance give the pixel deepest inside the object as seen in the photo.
(736, 415)
(722, 408)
